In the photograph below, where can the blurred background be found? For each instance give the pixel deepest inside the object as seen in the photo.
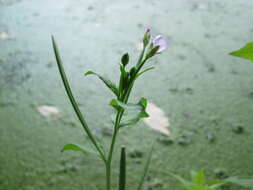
(205, 95)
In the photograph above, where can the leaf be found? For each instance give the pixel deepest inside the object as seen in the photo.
(245, 52)
(134, 112)
(122, 172)
(216, 184)
(72, 99)
(198, 177)
(75, 147)
(199, 187)
(185, 183)
(146, 167)
(106, 81)
(145, 70)
(240, 182)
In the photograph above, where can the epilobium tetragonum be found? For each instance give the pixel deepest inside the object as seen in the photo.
(126, 113)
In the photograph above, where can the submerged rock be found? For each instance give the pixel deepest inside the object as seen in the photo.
(135, 154)
(238, 129)
(184, 140)
(211, 136)
(165, 140)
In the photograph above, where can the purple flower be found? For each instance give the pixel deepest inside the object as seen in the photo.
(161, 42)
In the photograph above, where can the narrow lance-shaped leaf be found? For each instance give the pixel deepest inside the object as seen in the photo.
(75, 147)
(146, 167)
(245, 52)
(216, 184)
(144, 71)
(240, 181)
(122, 172)
(185, 183)
(106, 81)
(72, 99)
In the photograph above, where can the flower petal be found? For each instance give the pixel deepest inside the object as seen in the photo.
(161, 42)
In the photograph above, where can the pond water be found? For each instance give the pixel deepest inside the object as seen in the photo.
(205, 93)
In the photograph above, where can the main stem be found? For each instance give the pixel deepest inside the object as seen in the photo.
(109, 159)
(117, 122)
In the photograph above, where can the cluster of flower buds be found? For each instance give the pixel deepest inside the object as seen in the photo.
(157, 44)
(151, 47)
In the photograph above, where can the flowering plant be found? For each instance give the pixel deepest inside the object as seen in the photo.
(122, 91)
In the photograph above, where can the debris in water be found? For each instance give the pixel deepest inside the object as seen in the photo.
(165, 140)
(157, 120)
(5, 36)
(210, 136)
(48, 111)
(106, 131)
(135, 154)
(220, 173)
(238, 129)
(184, 140)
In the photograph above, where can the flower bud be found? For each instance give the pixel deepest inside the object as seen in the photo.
(146, 37)
(152, 52)
(125, 59)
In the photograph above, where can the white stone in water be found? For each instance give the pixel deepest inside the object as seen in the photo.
(48, 111)
(157, 119)
(5, 36)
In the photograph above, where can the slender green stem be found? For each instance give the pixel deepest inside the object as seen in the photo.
(73, 101)
(120, 113)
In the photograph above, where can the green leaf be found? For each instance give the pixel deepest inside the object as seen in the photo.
(245, 52)
(75, 147)
(89, 73)
(199, 187)
(106, 81)
(216, 184)
(198, 177)
(148, 69)
(122, 172)
(72, 99)
(134, 112)
(185, 183)
(241, 182)
(146, 167)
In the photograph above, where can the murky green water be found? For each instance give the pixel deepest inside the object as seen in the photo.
(201, 89)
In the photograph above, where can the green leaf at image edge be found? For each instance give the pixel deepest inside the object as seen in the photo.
(245, 52)
(198, 177)
(240, 181)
